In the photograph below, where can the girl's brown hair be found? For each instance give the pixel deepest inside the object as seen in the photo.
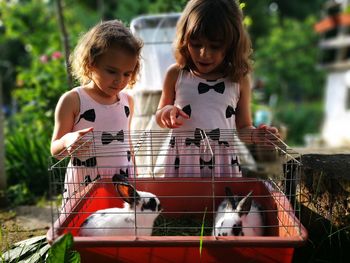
(215, 20)
(96, 41)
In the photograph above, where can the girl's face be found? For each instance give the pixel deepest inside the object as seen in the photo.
(207, 56)
(112, 71)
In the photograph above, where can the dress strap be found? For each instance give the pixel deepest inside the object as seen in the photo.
(179, 79)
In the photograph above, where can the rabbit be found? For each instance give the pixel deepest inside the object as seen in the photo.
(238, 217)
(121, 221)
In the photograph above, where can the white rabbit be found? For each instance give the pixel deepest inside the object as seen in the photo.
(121, 221)
(238, 217)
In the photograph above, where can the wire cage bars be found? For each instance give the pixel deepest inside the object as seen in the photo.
(200, 178)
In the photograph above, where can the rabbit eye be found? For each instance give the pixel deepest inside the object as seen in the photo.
(150, 205)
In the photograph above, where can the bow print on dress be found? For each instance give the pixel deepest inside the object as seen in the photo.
(172, 142)
(187, 110)
(177, 163)
(127, 111)
(128, 155)
(87, 180)
(198, 136)
(230, 111)
(236, 163)
(88, 115)
(204, 88)
(209, 163)
(91, 162)
(214, 134)
(107, 138)
(225, 143)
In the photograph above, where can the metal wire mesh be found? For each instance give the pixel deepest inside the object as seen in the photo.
(187, 171)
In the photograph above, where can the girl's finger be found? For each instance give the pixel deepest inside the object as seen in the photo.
(183, 114)
(85, 131)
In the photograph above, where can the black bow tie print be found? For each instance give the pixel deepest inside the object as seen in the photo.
(198, 136)
(108, 138)
(209, 163)
(172, 142)
(177, 162)
(187, 109)
(88, 115)
(230, 111)
(87, 180)
(214, 134)
(219, 87)
(91, 162)
(236, 163)
(225, 143)
(127, 111)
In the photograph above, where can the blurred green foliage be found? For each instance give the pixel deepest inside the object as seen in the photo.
(299, 119)
(33, 70)
(286, 61)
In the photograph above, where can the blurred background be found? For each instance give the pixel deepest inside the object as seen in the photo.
(291, 72)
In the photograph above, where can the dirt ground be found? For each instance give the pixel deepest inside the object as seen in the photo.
(23, 222)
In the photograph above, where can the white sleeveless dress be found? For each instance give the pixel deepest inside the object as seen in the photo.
(109, 153)
(205, 145)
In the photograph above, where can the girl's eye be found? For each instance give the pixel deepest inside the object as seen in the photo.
(127, 75)
(111, 71)
(195, 45)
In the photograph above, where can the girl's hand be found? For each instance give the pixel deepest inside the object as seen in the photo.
(265, 134)
(72, 140)
(172, 117)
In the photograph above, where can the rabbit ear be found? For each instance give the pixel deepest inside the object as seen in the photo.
(232, 199)
(128, 193)
(228, 192)
(245, 204)
(118, 178)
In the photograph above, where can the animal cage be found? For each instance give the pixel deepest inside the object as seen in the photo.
(189, 173)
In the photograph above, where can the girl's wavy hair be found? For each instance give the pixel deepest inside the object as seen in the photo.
(215, 20)
(96, 41)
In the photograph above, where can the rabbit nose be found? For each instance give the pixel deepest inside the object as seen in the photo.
(237, 229)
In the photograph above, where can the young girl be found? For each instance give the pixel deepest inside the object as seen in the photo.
(105, 61)
(208, 89)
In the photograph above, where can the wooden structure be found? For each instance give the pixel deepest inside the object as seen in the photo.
(335, 59)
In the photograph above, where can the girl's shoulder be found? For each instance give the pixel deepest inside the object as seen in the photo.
(70, 96)
(69, 101)
(174, 70)
(125, 97)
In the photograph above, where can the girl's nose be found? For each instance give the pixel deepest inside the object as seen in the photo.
(204, 52)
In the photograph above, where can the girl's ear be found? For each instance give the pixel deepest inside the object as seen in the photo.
(128, 193)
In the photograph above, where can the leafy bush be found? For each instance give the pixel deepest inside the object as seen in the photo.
(27, 151)
(300, 119)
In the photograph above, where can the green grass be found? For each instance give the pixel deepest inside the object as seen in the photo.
(182, 226)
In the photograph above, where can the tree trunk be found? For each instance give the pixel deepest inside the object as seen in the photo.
(65, 40)
(2, 152)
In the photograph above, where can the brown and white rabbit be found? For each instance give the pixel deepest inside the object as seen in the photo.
(121, 221)
(238, 217)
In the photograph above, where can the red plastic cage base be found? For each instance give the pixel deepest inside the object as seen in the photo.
(185, 254)
(277, 246)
